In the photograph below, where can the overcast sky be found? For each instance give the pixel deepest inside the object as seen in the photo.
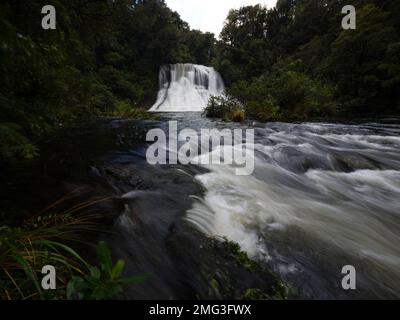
(209, 15)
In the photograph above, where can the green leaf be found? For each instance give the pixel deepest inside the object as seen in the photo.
(27, 268)
(104, 257)
(95, 272)
(53, 245)
(117, 270)
(75, 288)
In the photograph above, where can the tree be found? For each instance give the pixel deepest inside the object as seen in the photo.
(364, 62)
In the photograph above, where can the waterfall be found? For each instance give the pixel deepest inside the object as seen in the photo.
(186, 87)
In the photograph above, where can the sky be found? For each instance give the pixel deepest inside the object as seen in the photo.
(209, 15)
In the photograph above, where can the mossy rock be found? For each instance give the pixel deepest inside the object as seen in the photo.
(218, 269)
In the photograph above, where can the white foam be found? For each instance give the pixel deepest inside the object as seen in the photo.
(187, 87)
(345, 209)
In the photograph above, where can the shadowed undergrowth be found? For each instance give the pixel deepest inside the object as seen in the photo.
(50, 239)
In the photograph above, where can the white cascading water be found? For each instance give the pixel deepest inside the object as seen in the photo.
(337, 185)
(187, 87)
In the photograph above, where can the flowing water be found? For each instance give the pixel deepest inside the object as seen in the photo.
(322, 196)
(187, 87)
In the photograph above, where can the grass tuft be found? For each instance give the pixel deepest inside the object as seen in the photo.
(42, 240)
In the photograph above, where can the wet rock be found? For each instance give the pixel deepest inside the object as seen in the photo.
(218, 269)
(352, 162)
(123, 178)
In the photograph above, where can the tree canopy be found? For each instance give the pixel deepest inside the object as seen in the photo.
(356, 71)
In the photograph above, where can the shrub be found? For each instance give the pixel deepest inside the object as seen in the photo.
(122, 108)
(298, 95)
(225, 107)
(125, 109)
(238, 116)
(285, 93)
(265, 110)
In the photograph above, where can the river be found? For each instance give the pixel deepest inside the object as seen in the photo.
(322, 196)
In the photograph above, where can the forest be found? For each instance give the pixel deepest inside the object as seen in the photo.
(293, 61)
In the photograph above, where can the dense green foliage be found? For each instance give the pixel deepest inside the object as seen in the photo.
(286, 92)
(227, 108)
(295, 61)
(102, 59)
(13, 144)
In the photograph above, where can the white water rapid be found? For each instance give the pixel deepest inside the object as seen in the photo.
(186, 87)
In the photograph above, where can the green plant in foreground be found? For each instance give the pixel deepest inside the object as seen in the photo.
(40, 241)
(103, 282)
(22, 255)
